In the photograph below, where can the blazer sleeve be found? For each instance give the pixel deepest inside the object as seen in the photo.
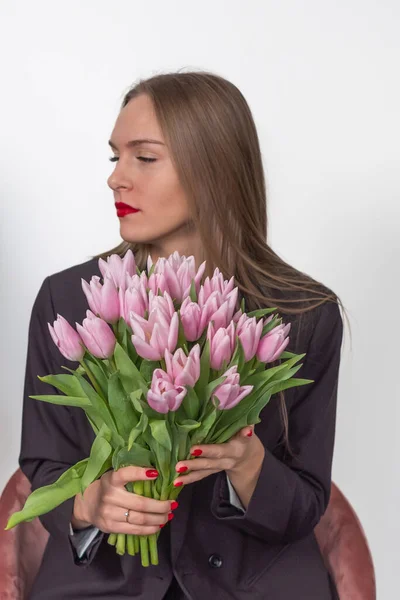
(292, 494)
(49, 442)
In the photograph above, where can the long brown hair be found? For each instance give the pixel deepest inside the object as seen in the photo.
(213, 142)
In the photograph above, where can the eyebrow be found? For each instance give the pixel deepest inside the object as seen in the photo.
(133, 143)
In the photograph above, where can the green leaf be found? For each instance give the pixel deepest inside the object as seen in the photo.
(284, 374)
(242, 359)
(188, 425)
(233, 415)
(191, 403)
(135, 397)
(67, 384)
(99, 405)
(147, 369)
(99, 459)
(261, 312)
(160, 433)
(204, 371)
(286, 354)
(123, 329)
(138, 430)
(130, 376)
(259, 379)
(46, 498)
(136, 456)
(98, 370)
(202, 432)
(289, 384)
(64, 400)
(193, 293)
(121, 407)
(222, 436)
(80, 370)
(211, 387)
(293, 359)
(271, 325)
(141, 405)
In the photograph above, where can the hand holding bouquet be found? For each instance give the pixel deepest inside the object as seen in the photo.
(165, 363)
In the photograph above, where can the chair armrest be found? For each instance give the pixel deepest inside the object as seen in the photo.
(345, 549)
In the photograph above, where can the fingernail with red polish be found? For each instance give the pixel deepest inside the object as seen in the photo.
(151, 473)
(174, 505)
(250, 433)
(163, 525)
(197, 452)
(170, 516)
(182, 469)
(178, 483)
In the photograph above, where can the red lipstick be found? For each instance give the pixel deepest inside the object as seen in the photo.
(124, 209)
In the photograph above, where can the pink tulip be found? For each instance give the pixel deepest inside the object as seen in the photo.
(219, 309)
(192, 321)
(157, 282)
(182, 369)
(135, 297)
(97, 336)
(102, 299)
(117, 268)
(249, 333)
(230, 393)
(216, 284)
(160, 332)
(273, 343)
(237, 315)
(163, 395)
(222, 344)
(66, 339)
(178, 273)
(162, 303)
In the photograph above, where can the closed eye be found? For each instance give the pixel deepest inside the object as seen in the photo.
(142, 158)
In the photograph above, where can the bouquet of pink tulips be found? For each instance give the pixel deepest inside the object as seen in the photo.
(165, 363)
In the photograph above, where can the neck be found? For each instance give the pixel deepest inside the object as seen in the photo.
(187, 245)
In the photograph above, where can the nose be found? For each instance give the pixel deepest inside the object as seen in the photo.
(118, 179)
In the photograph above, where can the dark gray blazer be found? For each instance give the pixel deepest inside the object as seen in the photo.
(210, 548)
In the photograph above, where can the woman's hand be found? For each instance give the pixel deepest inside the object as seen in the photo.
(106, 500)
(241, 457)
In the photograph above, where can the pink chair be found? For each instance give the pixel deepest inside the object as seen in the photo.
(21, 548)
(339, 534)
(345, 549)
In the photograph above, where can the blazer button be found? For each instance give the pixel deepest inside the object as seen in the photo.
(215, 561)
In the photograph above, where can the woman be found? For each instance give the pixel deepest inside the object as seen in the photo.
(188, 161)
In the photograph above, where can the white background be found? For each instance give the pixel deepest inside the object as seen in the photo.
(322, 80)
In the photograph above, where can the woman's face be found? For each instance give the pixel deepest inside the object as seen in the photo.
(144, 178)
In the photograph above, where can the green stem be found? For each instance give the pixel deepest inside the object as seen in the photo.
(113, 363)
(136, 544)
(115, 330)
(139, 488)
(130, 544)
(121, 543)
(153, 548)
(144, 550)
(147, 488)
(91, 378)
(152, 539)
(112, 539)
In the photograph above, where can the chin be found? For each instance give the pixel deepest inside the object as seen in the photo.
(137, 237)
